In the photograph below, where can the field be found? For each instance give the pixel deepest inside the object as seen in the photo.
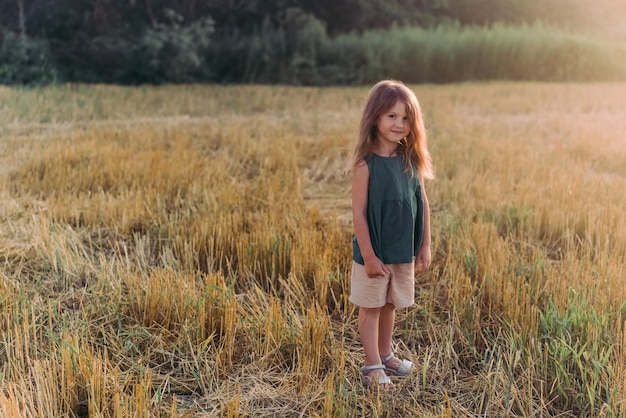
(185, 251)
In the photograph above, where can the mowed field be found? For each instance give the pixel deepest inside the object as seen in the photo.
(184, 251)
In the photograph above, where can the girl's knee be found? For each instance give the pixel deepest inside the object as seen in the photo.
(370, 311)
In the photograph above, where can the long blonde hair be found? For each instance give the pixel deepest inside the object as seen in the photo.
(414, 147)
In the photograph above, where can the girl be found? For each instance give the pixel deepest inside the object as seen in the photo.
(391, 221)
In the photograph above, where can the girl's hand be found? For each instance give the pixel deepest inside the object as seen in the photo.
(423, 259)
(376, 268)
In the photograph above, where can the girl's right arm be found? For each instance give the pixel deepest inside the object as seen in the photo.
(374, 267)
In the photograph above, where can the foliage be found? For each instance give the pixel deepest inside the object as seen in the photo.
(174, 53)
(446, 53)
(271, 55)
(577, 345)
(325, 42)
(168, 52)
(458, 53)
(25, 60)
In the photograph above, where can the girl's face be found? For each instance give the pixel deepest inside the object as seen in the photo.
(393, 125)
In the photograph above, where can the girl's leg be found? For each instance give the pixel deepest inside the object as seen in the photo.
(369, 320)
(368, 331)
(386, 324)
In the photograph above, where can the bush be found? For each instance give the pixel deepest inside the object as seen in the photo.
(343, 61)
(173, 52)
(283, 53)
(25, 61)
(166, 53)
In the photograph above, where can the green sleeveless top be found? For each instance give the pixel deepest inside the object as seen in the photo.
(395, 211)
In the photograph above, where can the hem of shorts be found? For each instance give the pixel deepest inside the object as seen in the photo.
(407, 306)
(387, 262)
(374, 307)
(363, 306)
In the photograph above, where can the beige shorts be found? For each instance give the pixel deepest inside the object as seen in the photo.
(397, 288)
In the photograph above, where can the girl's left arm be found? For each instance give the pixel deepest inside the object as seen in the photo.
(423, 259)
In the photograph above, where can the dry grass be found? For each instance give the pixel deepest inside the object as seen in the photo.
(184, 252)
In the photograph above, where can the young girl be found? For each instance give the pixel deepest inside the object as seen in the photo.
(391, 221)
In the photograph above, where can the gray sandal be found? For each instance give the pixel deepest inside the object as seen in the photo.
(404, 369)
(369, 381)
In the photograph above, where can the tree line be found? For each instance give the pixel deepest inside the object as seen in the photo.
(287, 41)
